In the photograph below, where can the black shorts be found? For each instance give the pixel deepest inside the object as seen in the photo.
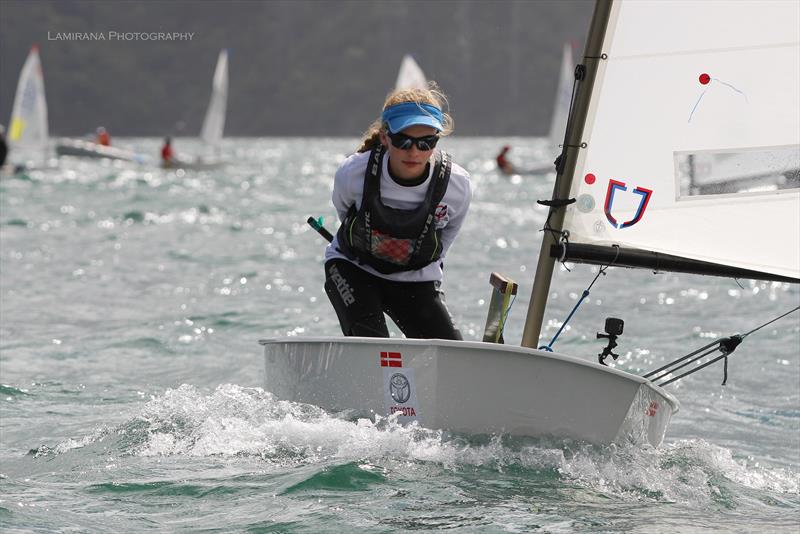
(360, 300)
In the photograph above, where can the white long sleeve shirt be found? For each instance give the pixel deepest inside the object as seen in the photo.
(348, 189)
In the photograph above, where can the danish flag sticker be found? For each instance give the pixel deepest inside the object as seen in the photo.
(391, 359)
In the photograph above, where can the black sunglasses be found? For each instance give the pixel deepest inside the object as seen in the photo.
(404, 142)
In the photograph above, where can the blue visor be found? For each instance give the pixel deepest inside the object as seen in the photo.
(401, 116)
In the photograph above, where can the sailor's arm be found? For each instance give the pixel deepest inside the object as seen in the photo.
(459, 199)
(342, 195)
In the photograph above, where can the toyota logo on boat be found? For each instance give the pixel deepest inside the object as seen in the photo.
(399, 388)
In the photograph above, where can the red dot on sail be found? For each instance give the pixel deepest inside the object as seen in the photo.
(589, 178)
(705, 78)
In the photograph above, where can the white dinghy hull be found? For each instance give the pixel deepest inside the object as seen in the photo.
(469, 387)
(86, 149)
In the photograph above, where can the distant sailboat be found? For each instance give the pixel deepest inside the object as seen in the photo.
(28, 128)
(213, 122)
(558, 120)
(82, 148)
(410, 75)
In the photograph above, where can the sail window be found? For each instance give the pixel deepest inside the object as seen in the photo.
(732, 172)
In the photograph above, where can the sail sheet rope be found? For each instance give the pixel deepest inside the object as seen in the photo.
(725, 345)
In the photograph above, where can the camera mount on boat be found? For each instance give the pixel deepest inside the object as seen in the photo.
(613, 329)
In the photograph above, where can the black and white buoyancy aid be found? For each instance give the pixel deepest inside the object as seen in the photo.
(391, 240)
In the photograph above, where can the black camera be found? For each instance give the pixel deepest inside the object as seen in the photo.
(614, 326)
(613, 329)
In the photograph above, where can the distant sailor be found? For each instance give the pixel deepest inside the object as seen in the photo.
(503, 164)
(167, 155)
(401, 204)
(103, 137)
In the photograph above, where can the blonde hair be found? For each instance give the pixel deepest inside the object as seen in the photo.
(431, 95)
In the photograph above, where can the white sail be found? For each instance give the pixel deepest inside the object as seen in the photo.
(410, 75)
(214, 122)
(28, 124)
(691, 93)
(558, 122)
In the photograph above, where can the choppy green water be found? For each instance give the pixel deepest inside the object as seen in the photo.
(132, 299)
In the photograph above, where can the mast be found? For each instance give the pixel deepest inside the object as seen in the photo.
(563, 184)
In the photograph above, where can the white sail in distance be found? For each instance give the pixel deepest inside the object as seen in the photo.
(688, 88)
(214, 122)
(28, 124)
(410, 75)
(558, 122)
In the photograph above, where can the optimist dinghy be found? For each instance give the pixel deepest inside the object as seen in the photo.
(661, 82)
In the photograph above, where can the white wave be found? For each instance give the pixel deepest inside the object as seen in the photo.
(236, 421)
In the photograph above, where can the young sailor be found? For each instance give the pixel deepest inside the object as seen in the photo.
(103, 137)
(167, 154)
(401, 204)
(503, 164)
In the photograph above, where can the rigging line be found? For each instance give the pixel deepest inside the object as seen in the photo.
(561, 159)
(577, 77)
(726, 345)
(549, 346)
(547, 228)
(679, 360)
(579, 74)
(772, 321)
(710, 349)
(603, 268)
(715, 360)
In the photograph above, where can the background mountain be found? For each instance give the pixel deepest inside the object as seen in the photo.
(299, 67)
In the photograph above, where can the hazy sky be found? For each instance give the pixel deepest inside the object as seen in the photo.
(296, 67)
